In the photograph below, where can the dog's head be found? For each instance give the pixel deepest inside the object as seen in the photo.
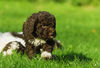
(40, 25)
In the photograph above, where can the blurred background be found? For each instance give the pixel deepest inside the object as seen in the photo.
(77, 25)
(72, 2)
(15, 12)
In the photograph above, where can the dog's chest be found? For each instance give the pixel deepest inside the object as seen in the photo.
(37, 42)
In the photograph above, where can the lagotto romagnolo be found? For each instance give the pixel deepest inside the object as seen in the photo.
(38, 36)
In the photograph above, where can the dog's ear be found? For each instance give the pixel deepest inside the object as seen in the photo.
(29, 27)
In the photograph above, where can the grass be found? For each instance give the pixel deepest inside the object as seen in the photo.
(78, 28)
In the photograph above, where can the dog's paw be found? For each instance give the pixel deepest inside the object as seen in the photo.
(8, 50)
(46, 55)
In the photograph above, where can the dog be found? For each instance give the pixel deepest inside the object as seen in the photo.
(40, 26)
(39, 32)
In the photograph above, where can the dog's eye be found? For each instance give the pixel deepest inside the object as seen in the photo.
(46, 25)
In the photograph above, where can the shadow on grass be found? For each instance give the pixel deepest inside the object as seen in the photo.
(71, 57)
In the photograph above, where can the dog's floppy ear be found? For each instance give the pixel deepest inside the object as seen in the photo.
(28, 27)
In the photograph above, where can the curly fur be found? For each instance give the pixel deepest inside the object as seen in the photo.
(40, 25)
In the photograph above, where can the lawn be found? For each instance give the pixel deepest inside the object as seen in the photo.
(78, 28)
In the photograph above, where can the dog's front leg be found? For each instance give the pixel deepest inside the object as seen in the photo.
(29, 50)
(47, 51)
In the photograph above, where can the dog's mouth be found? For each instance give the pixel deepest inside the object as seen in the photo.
(52, 34)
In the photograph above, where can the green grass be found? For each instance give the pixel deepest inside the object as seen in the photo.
(78, 28)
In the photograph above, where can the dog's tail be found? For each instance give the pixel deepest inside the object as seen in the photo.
(19, 35)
